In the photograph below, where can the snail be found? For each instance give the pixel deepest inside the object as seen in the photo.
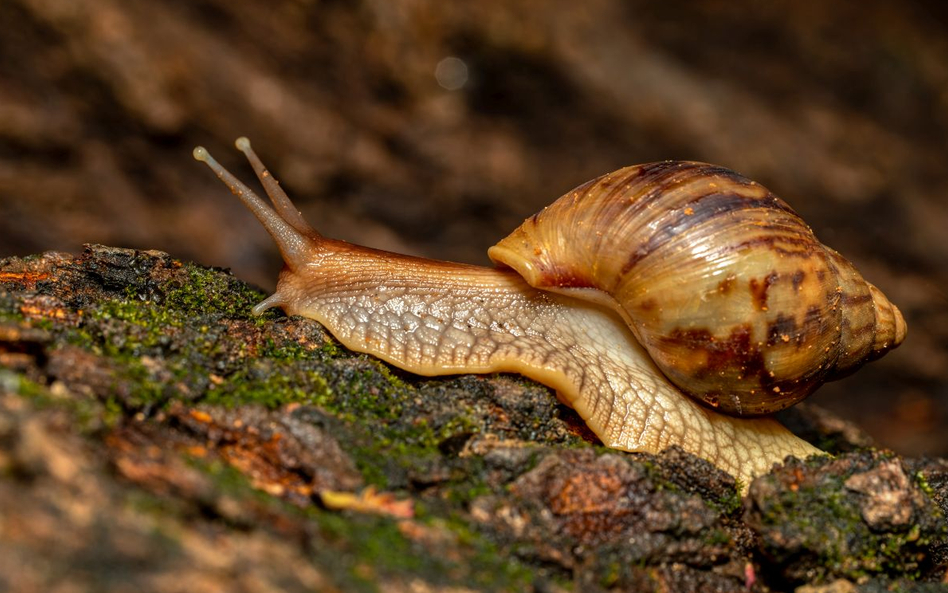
(671, 303)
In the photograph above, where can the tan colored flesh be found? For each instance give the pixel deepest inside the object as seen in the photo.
(437, 318)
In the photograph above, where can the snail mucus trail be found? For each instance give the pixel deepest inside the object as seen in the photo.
(624, 295)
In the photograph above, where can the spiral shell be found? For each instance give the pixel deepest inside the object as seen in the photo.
(729, 291)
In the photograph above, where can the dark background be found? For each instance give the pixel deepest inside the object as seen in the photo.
(840, 108)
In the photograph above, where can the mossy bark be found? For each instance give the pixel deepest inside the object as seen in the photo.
(154, 435)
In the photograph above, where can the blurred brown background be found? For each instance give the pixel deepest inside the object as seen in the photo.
(434, 128)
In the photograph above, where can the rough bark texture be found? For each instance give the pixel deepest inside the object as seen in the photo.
(839, 107)
(154, 436)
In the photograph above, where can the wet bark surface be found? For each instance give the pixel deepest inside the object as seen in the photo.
(156, 436)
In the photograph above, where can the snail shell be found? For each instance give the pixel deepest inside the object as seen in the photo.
(728, 290)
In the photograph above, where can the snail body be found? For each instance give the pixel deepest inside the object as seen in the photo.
(567, 309)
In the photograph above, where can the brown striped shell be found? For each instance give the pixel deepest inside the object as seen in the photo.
(729, 291)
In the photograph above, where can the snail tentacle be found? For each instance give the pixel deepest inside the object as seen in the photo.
(284, 206)
(295, 246)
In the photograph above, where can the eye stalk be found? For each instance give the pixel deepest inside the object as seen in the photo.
(295, 239)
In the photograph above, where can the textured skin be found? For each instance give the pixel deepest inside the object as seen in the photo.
(726, 287)
(436, 318)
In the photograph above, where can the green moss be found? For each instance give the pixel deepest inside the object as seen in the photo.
(829, 527)
(143, 313)
(466, 492)
(272, 388)
(209, 291)
(145, 318)
(166, 322)
(291, 351)
(730, 503)
(332, 349)
(122, 327)
(923, 484)
(396, 444)
(140, 386)
(386, 372)
(382, 459)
